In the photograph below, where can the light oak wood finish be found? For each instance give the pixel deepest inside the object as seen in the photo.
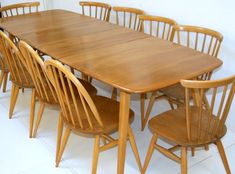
(112, 54)
(194, 126)
(128, 17)
(45, 92)
(200, 39)
(82, 113)
(204, 40)
(158, 26)
(8, 11)
(98, 10)
(4, 70)
(19, 75)
(19, 9)
(161, 28)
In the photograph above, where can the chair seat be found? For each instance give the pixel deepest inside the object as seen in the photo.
(176, 91)
(172, 126)
(109, 113)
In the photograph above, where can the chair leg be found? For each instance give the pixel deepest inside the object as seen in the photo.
(32, 112)
(59, 135)
(114, 94)
(149, 153)
(206, 147)
(1, 78)
(5, 82)
(193, 151)
(14, 96)
(223, 156)
(39, 117)
(142, 109)
(63, 144)
(149, 109)
(134, 147)
(184, 166)
(171, 105)
(95, 154)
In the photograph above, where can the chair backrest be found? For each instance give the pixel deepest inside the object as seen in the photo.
(77, 106)
(158, 26)
(128, 17)
(2, 59)
(100, 10)
(35, 66)
(11, 54)
(18, 9)
(201, 39)
(206, 120)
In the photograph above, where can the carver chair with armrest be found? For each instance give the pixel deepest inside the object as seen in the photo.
(97, 116)
(194, 125)
(44, 91)
(200, 39)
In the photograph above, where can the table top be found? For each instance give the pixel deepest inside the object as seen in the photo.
(129, 60)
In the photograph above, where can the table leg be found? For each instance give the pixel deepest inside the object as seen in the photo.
(123, 127)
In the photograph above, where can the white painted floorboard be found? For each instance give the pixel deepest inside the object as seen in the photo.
(21, 155)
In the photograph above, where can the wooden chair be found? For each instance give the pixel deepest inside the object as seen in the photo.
(4, 69)
(157, 26)
(200, 39)
(128, 17)
(19, 9)
(8, 11)
(101, 10)
(161, 28)
(194, 125)
(19, 75)
(82, 113)
(44, 91)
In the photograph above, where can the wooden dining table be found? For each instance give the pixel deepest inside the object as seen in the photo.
(128, 60)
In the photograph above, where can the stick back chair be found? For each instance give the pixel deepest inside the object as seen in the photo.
(101, 10)
(161, 28)
(4, 69)
(200, 39)
(157, 26)
(8, 11)
(194, 125)
(82, 113)
(128, 17)
(19, 9)
(19, 75)
(44, 90)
